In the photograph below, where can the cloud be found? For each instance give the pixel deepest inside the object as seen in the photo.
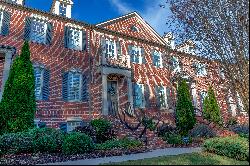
(149, 10)
(122, 7)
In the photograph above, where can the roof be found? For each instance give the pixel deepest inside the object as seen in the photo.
(129, 15)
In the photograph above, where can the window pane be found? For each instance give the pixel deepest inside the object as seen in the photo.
(62, 9)
(74, 86)
(38, 82)
(162, 97)
(75, 39)
(38, 31)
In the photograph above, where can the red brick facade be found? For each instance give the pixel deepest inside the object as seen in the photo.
(56, 58)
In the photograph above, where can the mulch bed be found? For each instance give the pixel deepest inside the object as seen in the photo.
(42, 158)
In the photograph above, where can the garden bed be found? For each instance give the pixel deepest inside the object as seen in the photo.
(40, 158)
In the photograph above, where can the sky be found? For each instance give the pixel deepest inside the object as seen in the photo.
(96, 11)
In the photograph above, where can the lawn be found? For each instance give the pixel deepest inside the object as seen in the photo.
(202, 158)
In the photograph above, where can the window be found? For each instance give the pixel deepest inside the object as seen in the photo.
(157, 59)
(134, 28)
(222, 73)
(72, 124)
(203, 95)
(38, 31)
(38, 82)
(74, 86)
(175, 64)
(201, 69)
(42, 77)
(110, 48)
(239, 103)
(74, 38)
(137, 54)
(62, 9)
(4, 23)
(139, 96)
(161, 96)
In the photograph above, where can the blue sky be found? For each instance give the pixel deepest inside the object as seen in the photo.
(96, 11)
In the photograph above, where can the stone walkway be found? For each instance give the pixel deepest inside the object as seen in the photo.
(153, 153)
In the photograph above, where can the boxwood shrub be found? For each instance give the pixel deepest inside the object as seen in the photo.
(47, 139)
(77, 143)
(234, 147)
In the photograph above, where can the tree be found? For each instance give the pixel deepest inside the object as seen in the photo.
(18, 104)
(211, 109)
(185, 116)
(220, 29)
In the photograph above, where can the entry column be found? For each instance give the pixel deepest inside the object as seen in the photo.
(130, 92)
(104, 95)
(6, 70)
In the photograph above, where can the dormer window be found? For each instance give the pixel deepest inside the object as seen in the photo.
(62, 9)
(200, 69)
(134, 28)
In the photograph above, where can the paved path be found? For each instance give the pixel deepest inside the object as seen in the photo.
(153, 153)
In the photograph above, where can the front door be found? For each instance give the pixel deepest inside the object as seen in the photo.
(112, 97)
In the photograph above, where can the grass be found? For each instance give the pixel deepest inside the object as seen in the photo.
(202, 158)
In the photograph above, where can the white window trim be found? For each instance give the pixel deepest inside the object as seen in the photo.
(42, 81)
(45, 30)
(160, 55)
(177, 68)
(80, 39)
(143, 96)
(109, 52)
(80, 88)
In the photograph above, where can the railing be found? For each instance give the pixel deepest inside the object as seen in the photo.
(116, 61)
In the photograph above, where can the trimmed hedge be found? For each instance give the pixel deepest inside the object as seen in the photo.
(233, 147)
(77, 143)
(119, 143)
(47, 139)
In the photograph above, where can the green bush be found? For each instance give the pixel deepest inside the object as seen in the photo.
(77, 143)
(18, 105)
(211, 109)
(233, 147)
(173, 138)
(47, 139)
(202, 130)
(16, 143)
(232, 121)
(185, 116)
(103, 130)
(125, 143)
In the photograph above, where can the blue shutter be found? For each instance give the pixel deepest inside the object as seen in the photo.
(153, 57)
(157, 96)
(5, 23)
(49, 33)
(27, 28)
(84, 41)
(147, 96)
(45, 90)
(143, 55)
(85, 94)
(66, 36)
(65, 77)
(137, 95)
(118, 48)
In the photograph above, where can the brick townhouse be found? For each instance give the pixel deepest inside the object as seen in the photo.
(83, 71)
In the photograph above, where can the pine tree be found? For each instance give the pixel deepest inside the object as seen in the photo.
(18, 104)
(211, 109)
(185, 116)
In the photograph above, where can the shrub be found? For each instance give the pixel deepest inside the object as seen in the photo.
(239, 129)
(47, 139)
(89, 130)
(233, 147)
(232, 121)
(103, 129)
(164, 129)
(185, 116)
(211, 109)
(15, 143)
(77, 143)
(202, 130)
(119, 143)
(173, 138)
(18, 105)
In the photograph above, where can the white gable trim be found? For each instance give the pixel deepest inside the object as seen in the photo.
(151, 30)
